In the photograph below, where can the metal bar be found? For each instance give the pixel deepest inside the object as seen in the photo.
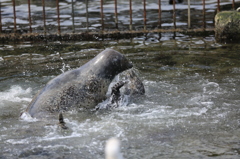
(14, 16)
(144, 15)
(189, 15)
(233, 4)
(218, 5)
(44, 17)
(87, 24)
(58, 17)
(73, 18)
(159, 14)
(174, 14)
(102, 15)
(0, 17)
(204, 15)
(116, 14)
(130, 14)
(29, 16)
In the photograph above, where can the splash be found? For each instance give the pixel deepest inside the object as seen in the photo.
(15, 94)
(27, 117)
(125, 87)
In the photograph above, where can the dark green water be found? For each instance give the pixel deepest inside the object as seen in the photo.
(190, 110)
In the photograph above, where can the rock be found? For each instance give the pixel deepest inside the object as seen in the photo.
(227, 26)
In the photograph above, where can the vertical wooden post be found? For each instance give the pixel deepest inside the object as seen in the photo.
(87, 24)
(116, 14)
(44, 17)
(144, 15)
(174, 14)
(130, 14)
(58, 17)
(102, 15)
(159, 14)
(233, 4)
(73, 18)
(14, 16)
(204, 15)
(29, 16)
(218, 5)
(189, 15)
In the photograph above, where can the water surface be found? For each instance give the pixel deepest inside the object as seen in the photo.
(190, 109)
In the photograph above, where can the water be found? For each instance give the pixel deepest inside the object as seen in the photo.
(190, 109)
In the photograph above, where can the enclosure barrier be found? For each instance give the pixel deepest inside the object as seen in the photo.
(16, 31)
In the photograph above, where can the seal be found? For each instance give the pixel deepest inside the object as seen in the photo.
(83, 87)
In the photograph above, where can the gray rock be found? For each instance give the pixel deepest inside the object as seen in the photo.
(227, 27)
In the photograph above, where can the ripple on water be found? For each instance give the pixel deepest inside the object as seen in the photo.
(185, 113)
(154, 122)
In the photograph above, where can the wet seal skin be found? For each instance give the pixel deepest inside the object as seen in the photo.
(83, 87)
(128, 89)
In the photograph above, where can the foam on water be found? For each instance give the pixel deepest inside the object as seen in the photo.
(27, 117)
(187, 112)
(15, 94)
(154, 114)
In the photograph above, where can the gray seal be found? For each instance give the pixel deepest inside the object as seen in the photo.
(83, 87)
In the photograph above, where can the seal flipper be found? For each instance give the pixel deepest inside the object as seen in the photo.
(116, 88)
(113, 100)
(61, 121)
(116, 92)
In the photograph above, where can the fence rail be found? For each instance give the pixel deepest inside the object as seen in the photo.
(71, 19)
